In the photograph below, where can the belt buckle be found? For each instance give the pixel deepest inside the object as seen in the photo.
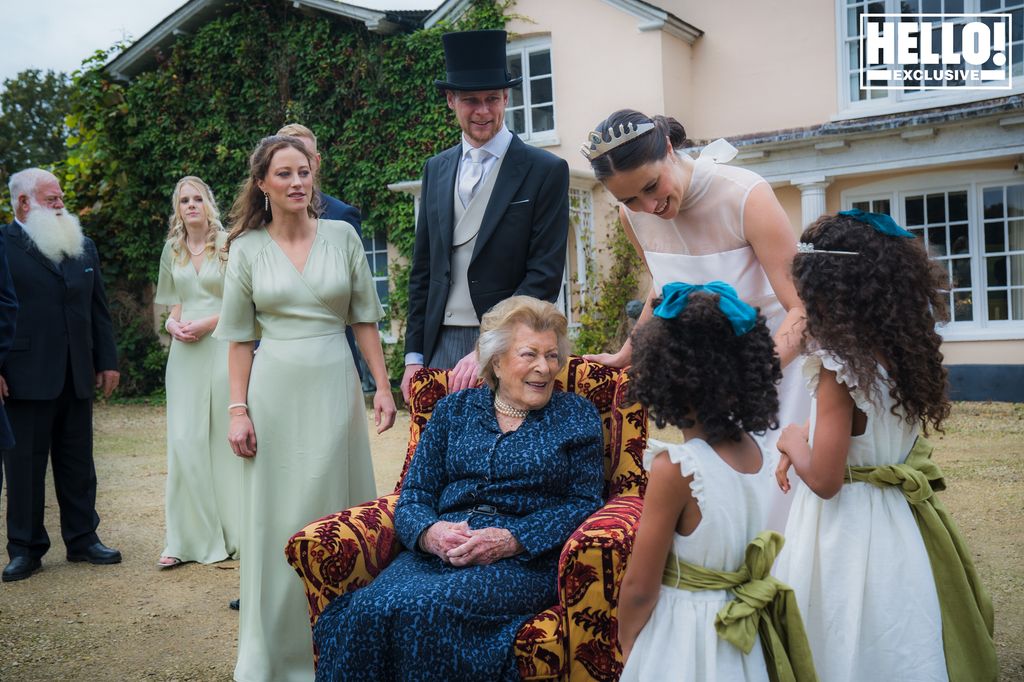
(488, 509)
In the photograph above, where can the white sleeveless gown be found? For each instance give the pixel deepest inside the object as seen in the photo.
(679, 641)
(705, 242)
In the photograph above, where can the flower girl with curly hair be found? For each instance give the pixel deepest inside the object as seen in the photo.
(697, 601)
(883, 579)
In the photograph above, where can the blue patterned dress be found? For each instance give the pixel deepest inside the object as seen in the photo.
(423, 620)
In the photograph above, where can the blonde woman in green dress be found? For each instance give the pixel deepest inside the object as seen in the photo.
(203, 478)
(298, 420)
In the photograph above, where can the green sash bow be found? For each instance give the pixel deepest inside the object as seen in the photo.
(966, 608)
(763, 606)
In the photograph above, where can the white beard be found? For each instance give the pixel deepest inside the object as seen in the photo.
(56, 234)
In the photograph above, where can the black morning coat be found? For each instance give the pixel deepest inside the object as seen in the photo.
(520, 248)
(8, 318)
(62, 317)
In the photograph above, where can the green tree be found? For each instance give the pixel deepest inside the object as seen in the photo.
(32, 131)
(369, 98)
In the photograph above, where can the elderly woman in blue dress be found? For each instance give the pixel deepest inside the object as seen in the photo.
(502, 476)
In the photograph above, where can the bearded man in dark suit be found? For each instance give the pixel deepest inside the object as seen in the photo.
(493, 219)
(63, 351)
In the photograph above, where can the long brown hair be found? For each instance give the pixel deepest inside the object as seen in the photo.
(176, 233)
(248, 212)
(882, 304)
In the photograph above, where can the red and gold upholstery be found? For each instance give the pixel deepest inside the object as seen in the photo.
(574, 639)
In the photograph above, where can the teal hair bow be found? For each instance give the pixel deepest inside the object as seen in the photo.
(881, 222)
(675, 295)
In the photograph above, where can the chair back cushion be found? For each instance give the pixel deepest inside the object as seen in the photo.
(625, 425)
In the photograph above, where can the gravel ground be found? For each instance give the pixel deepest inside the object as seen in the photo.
(133, 622)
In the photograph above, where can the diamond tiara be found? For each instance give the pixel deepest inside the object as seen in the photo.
(807, 247)
(595, 145)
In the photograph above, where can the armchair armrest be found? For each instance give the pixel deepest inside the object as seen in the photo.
(591, 567)
(344, 551)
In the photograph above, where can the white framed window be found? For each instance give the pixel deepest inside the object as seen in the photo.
(531, 105)
(940, 218)
(376, 248)
(1003, 246)
(975, 230)
(874, 205)
(579, 255)
(853, 101)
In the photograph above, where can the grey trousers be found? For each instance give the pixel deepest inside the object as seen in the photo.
(453, 344)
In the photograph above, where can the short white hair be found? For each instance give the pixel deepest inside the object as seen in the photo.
(25, 182)
(499, 323)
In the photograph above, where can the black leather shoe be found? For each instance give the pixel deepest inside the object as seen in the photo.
(20, 568)
(235, 604)
(96, 553)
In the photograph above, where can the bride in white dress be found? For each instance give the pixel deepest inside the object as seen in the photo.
(698, 220)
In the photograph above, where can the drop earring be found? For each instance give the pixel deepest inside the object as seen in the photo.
(266, 202)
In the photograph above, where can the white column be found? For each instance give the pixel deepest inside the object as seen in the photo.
(812, 201)
(413, 187)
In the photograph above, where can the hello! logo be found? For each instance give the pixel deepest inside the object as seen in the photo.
(917, 52)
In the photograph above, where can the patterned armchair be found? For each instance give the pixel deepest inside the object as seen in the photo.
(575, 638)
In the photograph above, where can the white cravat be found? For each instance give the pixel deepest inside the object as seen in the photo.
(471, 173)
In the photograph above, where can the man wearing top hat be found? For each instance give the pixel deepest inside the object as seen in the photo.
(493, 220)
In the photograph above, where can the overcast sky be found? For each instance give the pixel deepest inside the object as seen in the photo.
(59, 34)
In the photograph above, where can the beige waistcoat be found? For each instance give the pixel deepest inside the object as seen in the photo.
(459, 312)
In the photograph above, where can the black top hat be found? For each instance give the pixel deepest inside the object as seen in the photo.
(475, 60)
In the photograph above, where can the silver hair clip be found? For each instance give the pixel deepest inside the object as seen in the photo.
(807, 247)
(596, 146)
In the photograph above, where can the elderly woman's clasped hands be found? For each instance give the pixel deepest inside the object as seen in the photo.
(459, 545)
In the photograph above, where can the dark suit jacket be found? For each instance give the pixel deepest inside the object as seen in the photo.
(62, 316)
(336, 209)
(8, 318)
(520, 248)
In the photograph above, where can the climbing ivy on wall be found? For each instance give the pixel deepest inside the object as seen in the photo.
(369, 98)
(604, 326)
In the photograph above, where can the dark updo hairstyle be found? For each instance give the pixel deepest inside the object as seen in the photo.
(880, 305)
(647, 148)
(695, 369)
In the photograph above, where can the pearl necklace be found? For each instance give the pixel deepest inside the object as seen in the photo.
(504, 408)
(195, 253)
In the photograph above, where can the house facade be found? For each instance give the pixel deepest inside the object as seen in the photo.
(781, 83)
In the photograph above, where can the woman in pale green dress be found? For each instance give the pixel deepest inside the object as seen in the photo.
(297, 414)
(203, 477)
